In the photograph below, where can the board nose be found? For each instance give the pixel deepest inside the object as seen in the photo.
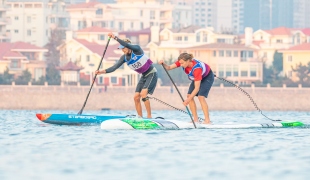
(39, 116)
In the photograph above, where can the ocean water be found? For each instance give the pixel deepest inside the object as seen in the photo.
(30, 149)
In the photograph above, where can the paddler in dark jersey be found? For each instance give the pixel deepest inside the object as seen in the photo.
(135, 58)
(202, 79)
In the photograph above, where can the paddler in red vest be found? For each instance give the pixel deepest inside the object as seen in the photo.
(138, 61)
(202, 79)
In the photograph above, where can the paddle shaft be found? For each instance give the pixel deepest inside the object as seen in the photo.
(180, 95)
(81, 111)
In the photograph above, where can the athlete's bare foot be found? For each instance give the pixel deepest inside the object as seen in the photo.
(206, 122)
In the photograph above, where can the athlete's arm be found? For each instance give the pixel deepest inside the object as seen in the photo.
(118, 64)
(195, 91)
(135, 48)
(168, 67)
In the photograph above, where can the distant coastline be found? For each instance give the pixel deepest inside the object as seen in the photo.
(121, 98)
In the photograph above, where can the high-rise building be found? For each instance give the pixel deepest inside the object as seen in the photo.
(3, 21)
(128, 15)
(224, 16)
(32, 20)
(301, 13)
(268, 14)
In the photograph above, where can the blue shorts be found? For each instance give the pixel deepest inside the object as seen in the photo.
(205, 85)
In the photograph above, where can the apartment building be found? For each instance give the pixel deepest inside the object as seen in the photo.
(294, 56)
(19, 56)
(301, 14)
(223, 15)
(236, 62)
(127, 15)
(269, 14)
(3, 21)
(85, 48)
(31, 21)
(182, 13)
(165, 43)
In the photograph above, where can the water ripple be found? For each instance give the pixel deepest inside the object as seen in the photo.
(44, 151)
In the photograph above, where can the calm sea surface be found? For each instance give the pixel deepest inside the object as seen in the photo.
(30, 149)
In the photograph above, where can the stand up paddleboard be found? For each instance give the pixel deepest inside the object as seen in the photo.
(74, 119)
(135, 123)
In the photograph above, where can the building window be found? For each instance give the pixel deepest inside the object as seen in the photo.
(205, 37)
(15, 64)
(29, 19)
(221, 70)
(121, 26)
(221, 53)
(87, 58)
(178, 38)
(253, 70)
(141, 25)
(290, 58)
(244, 73)
(243, 55)
(16, 31)
(101, 37)
(236, 54)
(279, 41)
(228, 70)
(236, 70)
(99, 12)
(28, 5)
(221, 40)
(114, 80)
(186, 38)
(112, 24)
(16, 17)
(152, 14)
(251, 54)
(198, 37)
(214, 53)
(29, 32)
(141, 13)
(131, 25)
(228, 53)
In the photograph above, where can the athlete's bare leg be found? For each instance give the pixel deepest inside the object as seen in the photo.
(147, 103)
(137, 98)
(205, 109)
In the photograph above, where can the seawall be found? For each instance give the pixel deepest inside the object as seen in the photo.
(121, 98)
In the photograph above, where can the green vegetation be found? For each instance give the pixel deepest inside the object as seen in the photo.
(6, 77)
(52, 58)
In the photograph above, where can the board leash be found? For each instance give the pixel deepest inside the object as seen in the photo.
(156, 99)
(248, 95)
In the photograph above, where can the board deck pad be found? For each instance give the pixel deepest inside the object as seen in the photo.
(140, 123)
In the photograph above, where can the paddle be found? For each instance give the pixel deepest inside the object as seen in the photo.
(81, 111)
(180, 96)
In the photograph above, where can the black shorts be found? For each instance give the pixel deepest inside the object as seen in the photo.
(205, 85)
(149, 82)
